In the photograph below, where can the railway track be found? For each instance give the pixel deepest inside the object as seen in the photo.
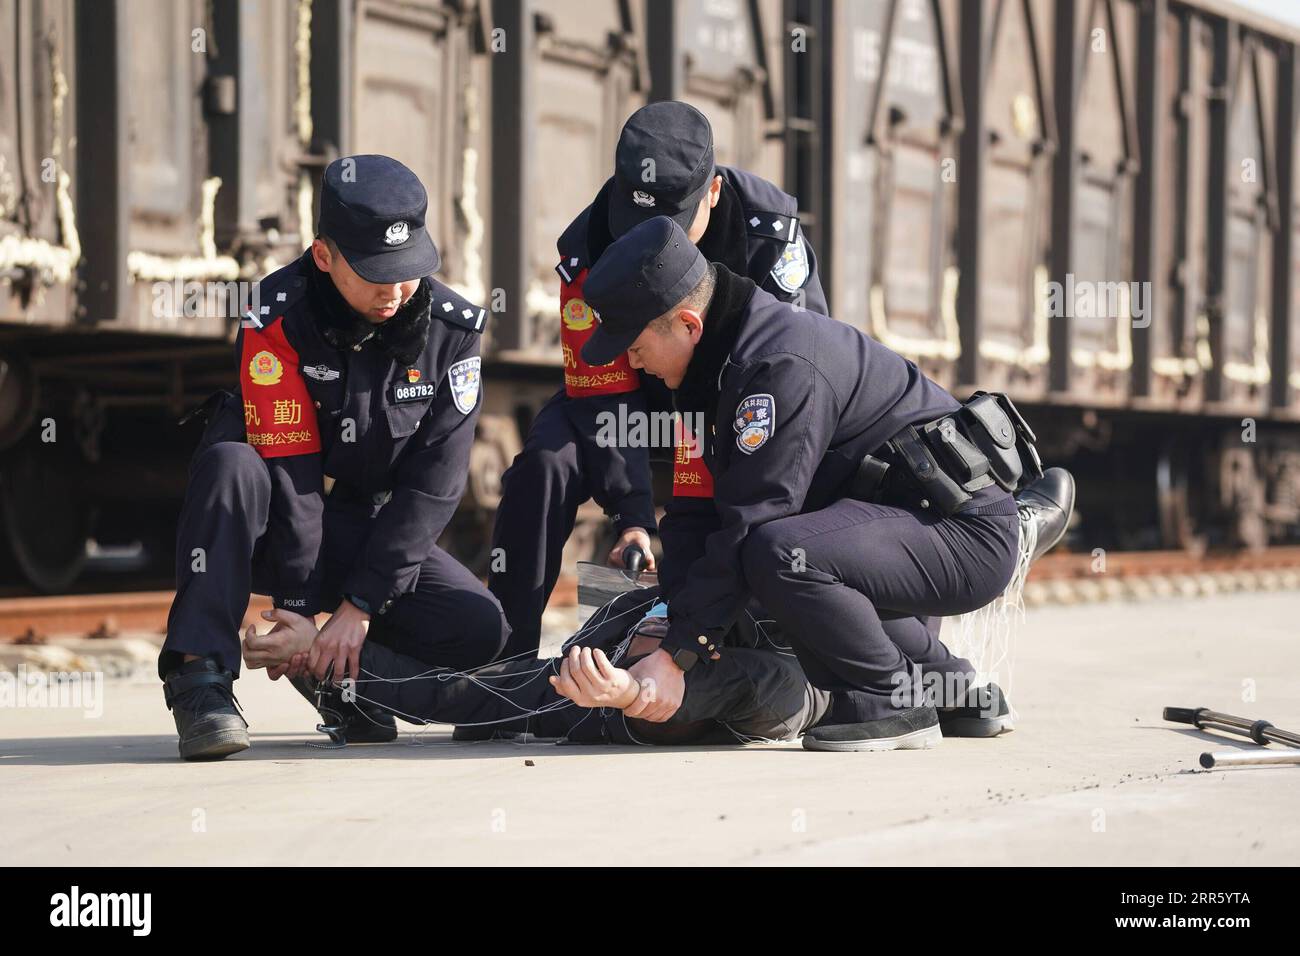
(1069, 565)
(1057, 578)
(35, 620)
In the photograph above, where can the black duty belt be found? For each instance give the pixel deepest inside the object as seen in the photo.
(940, 464)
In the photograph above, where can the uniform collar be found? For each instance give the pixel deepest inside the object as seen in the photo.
(403, 337)
(722, 323)
(590, 231)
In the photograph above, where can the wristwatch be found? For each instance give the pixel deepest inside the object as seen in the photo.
(360, 603)
(685, 658)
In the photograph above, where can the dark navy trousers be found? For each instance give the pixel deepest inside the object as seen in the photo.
(449, 619)
(541, 492)
(856, 588)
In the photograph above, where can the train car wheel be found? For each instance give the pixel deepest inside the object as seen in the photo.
(46, 519)
(17, 397)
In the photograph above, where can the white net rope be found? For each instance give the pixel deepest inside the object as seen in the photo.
(987, 637)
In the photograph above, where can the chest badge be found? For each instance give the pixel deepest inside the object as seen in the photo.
(265, 368)
(321, 373)
(464, 380)
(755, 422)
(410, 388)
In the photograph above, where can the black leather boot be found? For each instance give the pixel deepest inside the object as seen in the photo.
(201, 697)
(1045, 507)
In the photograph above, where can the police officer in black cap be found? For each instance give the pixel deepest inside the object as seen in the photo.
(326, 482)
(831, 498)
(663, 166)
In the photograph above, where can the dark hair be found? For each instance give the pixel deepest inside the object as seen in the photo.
(330, 244)
(697, 300)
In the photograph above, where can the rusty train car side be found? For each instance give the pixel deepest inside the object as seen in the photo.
(1089, 204)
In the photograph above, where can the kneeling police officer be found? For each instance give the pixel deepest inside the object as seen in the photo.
(663, 166)
(328, 480)
(854, 498)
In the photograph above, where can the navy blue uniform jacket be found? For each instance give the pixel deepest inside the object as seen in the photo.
(791, 402)
(383, 414)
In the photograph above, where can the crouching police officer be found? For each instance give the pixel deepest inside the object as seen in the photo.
(327, 482)
(850, 495)
(663, 166)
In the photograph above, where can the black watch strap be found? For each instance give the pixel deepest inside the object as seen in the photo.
(685, 658)
(689, 657)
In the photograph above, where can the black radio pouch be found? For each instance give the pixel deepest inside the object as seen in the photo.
(1003, 434)
(986, 441)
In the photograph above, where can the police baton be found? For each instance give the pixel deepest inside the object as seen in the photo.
(634, 558)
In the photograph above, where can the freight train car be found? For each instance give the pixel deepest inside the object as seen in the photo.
(1087, 203)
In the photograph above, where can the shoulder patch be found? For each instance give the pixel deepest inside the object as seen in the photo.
(791, 269)
(464, 379)
(455, 310)
(755, 422)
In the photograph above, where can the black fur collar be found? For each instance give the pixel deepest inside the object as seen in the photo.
(722, 319)
(403, 336)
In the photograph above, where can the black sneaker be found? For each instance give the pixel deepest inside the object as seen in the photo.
(914, 729)
(346, 722)
(1044, 507)
(201, 697)
(984, 713)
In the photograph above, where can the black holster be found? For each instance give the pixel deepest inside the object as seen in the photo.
(939, 465)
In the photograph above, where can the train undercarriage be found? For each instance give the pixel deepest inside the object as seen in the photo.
(93, 464)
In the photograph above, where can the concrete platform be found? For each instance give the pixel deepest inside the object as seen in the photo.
(1092, 775)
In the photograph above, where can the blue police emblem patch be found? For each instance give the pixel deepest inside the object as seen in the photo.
(755, 422)
(791, 269)
(464, 379)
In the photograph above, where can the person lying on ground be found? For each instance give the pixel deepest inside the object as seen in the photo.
(588, 694)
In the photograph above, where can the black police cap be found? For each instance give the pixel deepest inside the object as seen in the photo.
(373, 208)
(638, 278)
(679, 140)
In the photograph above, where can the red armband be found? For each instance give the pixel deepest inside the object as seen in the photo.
(577, 322)
(691, 476)
(279, 417)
